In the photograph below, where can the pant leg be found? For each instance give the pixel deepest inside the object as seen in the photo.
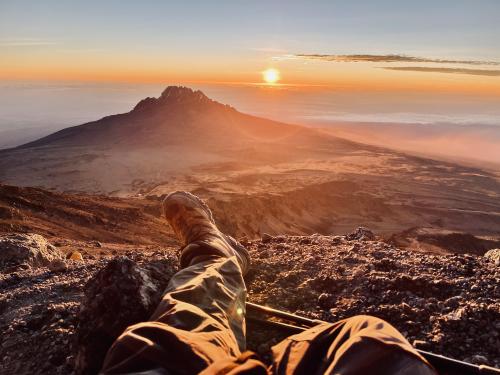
(199, 321)
(358, 345)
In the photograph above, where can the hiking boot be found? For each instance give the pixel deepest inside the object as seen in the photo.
(194, 225)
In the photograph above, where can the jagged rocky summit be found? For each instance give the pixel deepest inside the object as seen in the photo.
(175, 95)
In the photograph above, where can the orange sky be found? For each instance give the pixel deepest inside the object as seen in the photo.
(349, 76)
(180, 42)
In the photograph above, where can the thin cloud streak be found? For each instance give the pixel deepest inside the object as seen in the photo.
(389, 59)
(475, 72)
(26, 42)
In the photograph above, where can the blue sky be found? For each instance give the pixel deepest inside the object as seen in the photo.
(457, 28)
(200, 42)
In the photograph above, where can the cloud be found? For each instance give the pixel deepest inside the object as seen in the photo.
(26, 42)
(475, 72)
(390, 59)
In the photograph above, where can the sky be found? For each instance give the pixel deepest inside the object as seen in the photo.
(422, 46)
(65, 62)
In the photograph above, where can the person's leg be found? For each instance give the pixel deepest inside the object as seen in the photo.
(208, 296)
(200, 320)
(358, 345)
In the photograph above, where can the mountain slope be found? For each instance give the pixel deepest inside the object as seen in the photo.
(158, 139)
(179, 116)
(327, 208)
(261, 176)
(81, 217)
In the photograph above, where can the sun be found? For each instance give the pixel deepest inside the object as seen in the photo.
(271, 76)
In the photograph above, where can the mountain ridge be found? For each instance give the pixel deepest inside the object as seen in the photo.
(159, 138)
(179, 115)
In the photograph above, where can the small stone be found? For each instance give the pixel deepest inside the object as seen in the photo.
(76, 255)
(323, 299)
(479, 359)
(361, 233)
(494, 256)
(421, 344)
(336, 240)
(266, 237)
(58, 265)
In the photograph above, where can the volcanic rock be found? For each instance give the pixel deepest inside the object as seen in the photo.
(75, 255)
(119, 295)
(493, 255)
(361, 233)
(58, 265)
(446, 304)
(450, 302)
(31, 249)
(266, 237)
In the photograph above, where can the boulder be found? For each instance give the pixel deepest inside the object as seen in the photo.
(119, 295)
(31, 249)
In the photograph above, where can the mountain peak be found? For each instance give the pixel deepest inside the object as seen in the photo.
(174, 94)
(181, 92)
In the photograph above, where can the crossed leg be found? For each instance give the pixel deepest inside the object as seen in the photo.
(199, 326)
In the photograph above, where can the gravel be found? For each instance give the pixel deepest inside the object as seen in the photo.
(448, 304)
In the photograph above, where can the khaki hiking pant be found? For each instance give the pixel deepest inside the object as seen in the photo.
(199, 327)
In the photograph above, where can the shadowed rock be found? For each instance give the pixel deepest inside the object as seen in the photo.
(121, 294)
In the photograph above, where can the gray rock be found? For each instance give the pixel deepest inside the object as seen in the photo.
(494, 256)
(58, 265)
(119, 295)
(324, 299)
(361, 234)
(31, 249)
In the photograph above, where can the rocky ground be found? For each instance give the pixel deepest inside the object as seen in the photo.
(55, 320)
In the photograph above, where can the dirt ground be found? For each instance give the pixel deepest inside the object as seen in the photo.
(447, 304)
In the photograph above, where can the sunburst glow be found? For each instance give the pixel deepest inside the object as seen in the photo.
(271, 76)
